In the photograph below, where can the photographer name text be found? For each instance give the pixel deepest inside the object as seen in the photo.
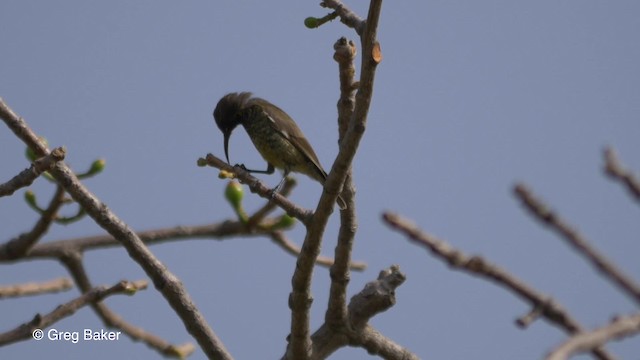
(76, 336)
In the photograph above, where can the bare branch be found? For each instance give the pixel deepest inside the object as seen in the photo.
(28, 176)
(256, 186)
(345, 54)
(616, 171)
(300, 298)
(29, 289)
(73, 262)
(475, 265)
(336, 314)
(167, 283)
(219, 231)
(281, 240)
(26, 330)
(377, 344)
(376, 297)
(347, 16)
(268, 207)
(19, 246)
(545, 215)
(225, 229)
(619, 328)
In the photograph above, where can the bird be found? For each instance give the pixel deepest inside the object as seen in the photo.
(275, 135)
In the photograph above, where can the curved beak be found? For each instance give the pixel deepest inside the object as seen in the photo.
(227, 135)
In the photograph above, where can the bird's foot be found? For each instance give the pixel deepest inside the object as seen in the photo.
(273, 192)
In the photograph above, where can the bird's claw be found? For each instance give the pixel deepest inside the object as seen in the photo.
(241, 166)
(272, 193)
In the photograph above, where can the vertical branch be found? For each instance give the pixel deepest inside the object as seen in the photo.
(300, 298)
(345, 54)
(336, 315)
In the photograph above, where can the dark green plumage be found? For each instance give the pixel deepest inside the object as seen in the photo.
(274, 134)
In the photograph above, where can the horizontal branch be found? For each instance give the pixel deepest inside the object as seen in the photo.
(218, 231)
(34, 288)
(28, 330)
(57, 248)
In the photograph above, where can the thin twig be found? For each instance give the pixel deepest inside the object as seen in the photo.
(73, 262)
(616, 171)
(28, 330)
(475, 265)
(548, 217)
(377, 344)
(347, 16)
(17, 247)
(281, 240)
(618, 329)
(28, 176)
(219, 231)
(269, 206)
(256, 186)
(33, 288)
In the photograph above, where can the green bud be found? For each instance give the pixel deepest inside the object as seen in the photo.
(31, 156)
(311, 22)
(30, 198)
(234, 194)
(130, 289)
(201, 162)
(284, 222)
(97, 166)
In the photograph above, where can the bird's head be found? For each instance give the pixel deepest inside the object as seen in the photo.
(228, 114)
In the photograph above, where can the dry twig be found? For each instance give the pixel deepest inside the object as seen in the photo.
(543, 305)
(548, 217)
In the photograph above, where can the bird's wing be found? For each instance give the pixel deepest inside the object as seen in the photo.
(289, 130)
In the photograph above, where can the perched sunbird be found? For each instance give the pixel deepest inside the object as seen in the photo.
(274, 134)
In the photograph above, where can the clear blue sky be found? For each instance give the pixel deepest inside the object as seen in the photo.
(471, 97)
